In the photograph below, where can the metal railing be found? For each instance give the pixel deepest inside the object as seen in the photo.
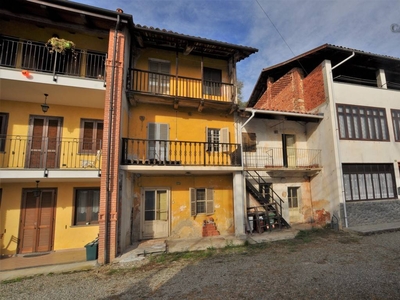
(31, 55)
(179, 153)
(18, 152)
(179, 86)
(265, 157)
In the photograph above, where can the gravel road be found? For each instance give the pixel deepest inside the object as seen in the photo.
(318, 264)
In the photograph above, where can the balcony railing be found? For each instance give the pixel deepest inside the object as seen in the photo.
(30, 55)
(179, 153)
(178, 86)
(17, 152)
(283, 158)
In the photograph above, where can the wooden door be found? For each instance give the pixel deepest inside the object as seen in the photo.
(289, 150)
(37, 221)
(43, 148)
(155, 218)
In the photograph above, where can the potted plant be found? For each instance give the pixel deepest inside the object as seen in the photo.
(56, 44)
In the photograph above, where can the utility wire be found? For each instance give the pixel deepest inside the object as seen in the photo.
(283, 39)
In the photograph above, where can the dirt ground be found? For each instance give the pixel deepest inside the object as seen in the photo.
(317, 264)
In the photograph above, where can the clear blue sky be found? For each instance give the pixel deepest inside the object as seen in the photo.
(304, 24)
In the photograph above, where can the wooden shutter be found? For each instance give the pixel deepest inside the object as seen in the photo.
(209, 201)
(192, 196)
(224, 139)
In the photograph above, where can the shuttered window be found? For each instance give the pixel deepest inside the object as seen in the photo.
(3, 130)
(91, 135)
(217, 139)
(201, 201)
(249, 142)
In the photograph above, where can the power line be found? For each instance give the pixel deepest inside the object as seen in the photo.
(283, 39)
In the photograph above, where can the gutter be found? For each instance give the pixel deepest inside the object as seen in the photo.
(280, 113)
(110, 127)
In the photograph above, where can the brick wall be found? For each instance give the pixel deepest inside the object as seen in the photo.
(314, 92)
(111, 146)
(293, 92)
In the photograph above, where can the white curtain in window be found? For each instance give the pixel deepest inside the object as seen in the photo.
(96, 201)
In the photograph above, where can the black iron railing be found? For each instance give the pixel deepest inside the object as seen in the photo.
(179, 86)
(31, 152)
(31, 55)
(179, 153)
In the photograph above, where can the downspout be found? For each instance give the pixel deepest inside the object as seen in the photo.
(338, 140)
(253, 113)
(110, 123)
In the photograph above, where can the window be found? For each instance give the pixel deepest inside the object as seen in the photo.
(396, 124)
(362, 123)
(3, 130)
(87, 203)
(159, 83)
(368, 181)
(249, 142)
(217, 139)
(293, 197)
(201, 201)
(91, 135)
(212, 81)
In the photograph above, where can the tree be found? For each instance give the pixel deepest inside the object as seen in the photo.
(239, 86)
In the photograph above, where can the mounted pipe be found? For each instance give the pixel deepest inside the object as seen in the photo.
(343, 61)
(110, 127)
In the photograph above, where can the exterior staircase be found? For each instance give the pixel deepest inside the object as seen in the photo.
(268, 215)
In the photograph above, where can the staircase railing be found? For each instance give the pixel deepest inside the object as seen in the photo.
(272, 204)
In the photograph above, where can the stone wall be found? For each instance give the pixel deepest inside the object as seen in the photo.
(371, 212)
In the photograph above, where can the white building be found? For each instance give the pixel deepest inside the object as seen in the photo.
(323, 131)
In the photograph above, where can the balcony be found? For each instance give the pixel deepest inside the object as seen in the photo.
(31, 55)
(179, 90)
(17, 152)
(179, 153)
(283, 159)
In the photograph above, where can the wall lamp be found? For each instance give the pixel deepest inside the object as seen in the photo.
(37, 191)
(44, 106)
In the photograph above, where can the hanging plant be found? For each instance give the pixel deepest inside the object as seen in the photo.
(56, 44)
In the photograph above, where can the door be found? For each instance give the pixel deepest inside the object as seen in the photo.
(155, 216)
(289, 150)
(294, 199)
(159, 76)
(44, 142)
(157, 134)
(37, 221)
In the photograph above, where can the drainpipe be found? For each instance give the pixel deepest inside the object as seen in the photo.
(338, 140)
(253, 113)
(110, 118)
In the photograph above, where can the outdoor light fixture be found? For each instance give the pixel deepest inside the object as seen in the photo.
(37, 191)
(46, 173)
(44, 106)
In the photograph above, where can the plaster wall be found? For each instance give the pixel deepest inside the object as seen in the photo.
(181, 223)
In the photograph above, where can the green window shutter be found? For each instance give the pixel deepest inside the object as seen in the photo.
(209, 201)
(192, 196)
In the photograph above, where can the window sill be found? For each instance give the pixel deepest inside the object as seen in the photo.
(84, 225)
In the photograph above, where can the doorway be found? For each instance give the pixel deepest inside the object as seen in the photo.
(37, 221)
(289, 150)
(44, 142)
(155, 213)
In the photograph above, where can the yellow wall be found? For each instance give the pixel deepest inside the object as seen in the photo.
(188, 65)
(19, 113)
(66, 236)
(184, 124)
(35, 33)
(182, 224)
